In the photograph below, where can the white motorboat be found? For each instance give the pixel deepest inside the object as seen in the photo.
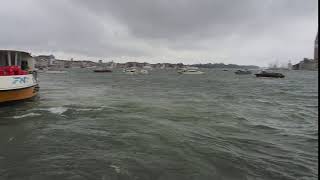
(144, 71)
(135, 71)
(149, 68)
(243, 72)
(131, 71)
(190, 70)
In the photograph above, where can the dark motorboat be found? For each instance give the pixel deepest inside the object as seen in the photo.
(270, 75)
(103, 70)
(243, 72)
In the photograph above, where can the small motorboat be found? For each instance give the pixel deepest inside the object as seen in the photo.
(243, 72)
(144, 71)
(190, 71)
(270, 75)
(102, 71)
(131, 71)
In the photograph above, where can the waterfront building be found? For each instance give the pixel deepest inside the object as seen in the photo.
(309, 64)
(44, 61)
(290, 66)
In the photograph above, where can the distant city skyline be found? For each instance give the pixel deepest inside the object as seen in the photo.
(246, 32)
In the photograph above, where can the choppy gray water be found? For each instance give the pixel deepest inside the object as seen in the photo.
(163, 126)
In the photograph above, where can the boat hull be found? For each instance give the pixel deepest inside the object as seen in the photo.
(131, 72)
(270, 76)
(18, 94)
(192, 73)
(102, 71)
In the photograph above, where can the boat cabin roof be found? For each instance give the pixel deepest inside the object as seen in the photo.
(15, 51)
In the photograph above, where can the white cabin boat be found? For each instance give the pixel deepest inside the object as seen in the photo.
(131, 71)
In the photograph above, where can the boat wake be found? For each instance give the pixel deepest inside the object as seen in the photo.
(56, 110)
(26, 115)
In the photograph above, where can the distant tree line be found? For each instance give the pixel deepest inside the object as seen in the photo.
(226, 66)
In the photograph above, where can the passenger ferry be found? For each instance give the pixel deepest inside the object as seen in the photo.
(18, 78)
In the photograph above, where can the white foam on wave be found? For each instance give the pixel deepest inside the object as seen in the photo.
(57, 110)
(11, 139)
(27, 115)
(116, 168)
(88, 109)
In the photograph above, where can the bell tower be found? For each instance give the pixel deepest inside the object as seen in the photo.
(316, 53)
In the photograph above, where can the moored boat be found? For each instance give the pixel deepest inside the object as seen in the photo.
(18, 78)
(190, 71)
(131, 71)
(270, 75)
(243, 72)
(144, 71)
(102, 70)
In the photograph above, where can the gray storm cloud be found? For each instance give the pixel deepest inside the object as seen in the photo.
(172, 19)
(189, 31)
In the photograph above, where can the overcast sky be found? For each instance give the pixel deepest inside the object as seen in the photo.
(188, 31)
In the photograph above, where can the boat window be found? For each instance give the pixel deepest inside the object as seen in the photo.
(19, 59)
(3, 59)
(24, 65)
(12, 57)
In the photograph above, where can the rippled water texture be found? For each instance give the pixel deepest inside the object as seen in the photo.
(163, 126)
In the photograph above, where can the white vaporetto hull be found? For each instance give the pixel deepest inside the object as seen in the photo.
(16, 88)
